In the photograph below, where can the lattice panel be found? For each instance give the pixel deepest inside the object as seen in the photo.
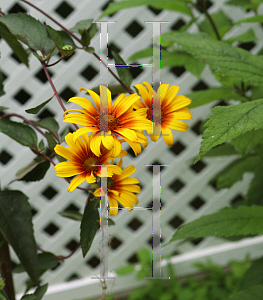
(186, 192)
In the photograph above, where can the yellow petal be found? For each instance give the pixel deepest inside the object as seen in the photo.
(177, 103)
(66, 153)
(90, 178)
(108, 142)
(116, 150)
(146, 96)
(178, 125)
(170, 95)
(94, 96)
(113, 204)
(76, 182)
(167, 136)
(85, 103)
(125, 202)
(95, 145)
(128, 133)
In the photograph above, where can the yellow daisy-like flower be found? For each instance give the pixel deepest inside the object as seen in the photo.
(173, 109)
(81, 161)
(121, 189)
(122, 121)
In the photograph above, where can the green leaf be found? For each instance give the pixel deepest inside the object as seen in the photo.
(254, 19)
(234, 171)
(46, 260)
(228, 122)
(125, 270)
(67, 39)
(90, 50)
(14, 44)
(110, 222)
(41, 146)
(248, 36)
(3, 107)
(144, 257)
(55, 36)
(16, 225)
(254, 292)
(245, 4)
(85, 38)
(51, 141)
(179, 5)
(70, 214)
(222, 23)
(123, 71)
(92, 30)
(221, 150)
(253, 275)
(61, 158)
(29, 31)
(255, 192)
(2, 284)
(36, 109)
(29, 297)
(220, 56)
(2, 92)
(34, 171)
(81, 25)
(206, 96)
(147, 52)
(48, 123)
(65, 132)
(2, 241)
(243, 220)
(247, 142)
(19, 132)
(89, 226)
(40, 291)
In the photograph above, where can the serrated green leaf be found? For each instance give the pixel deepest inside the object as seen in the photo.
(29, 297)
(234, 171)
(221, 21)
(36, 109)
(206, 96)
(221, 150)
(228, 122)
(179, 5)
(254, 19)
(16, 225)
(70, 214)
(65, 132)
(34, 171)
(41, 146)
(40, 291)
(14, 44)
(253, 275)
(123, 71)
(254, 292)
(255, 192)
(51, 141)
(89, 226)
(147, 52)
(125, 270)
(29, 31)
(247, 142)
(19, 132)
(46, 260)
(247, 36)
(85, 38)
(48, 123)
(220, 56)
(2, 92)
(81, 25)
(243, 220)
(55, 36)
(245, 4)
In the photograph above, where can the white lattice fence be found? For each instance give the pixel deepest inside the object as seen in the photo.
(186, 193)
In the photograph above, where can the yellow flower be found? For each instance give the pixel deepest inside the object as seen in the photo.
(121, 189)
(173, 108)
(81, 161)
(122, 121)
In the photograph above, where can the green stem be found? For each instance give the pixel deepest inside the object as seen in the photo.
(211, 22)
(6, 272)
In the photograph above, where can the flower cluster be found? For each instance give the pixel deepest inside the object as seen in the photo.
(109, 127)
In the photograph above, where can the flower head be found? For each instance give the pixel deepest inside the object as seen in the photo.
(173, 108)
(82, 161)
(122, 121)
(121, 189)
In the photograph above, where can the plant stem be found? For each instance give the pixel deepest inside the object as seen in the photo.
(6, 271)
(65, 257)
(26, 120)
(211, 21)
(54, 89)
(77, 39)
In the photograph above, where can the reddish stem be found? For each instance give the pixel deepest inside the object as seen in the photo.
(65, 257)
(26, 120)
